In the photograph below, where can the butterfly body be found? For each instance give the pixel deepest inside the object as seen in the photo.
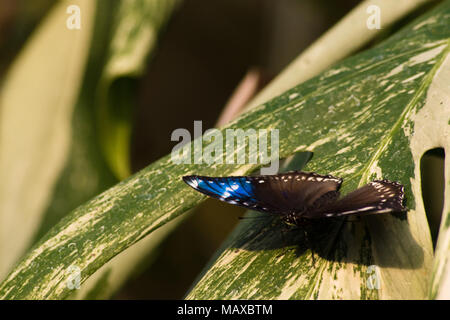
(299, 197)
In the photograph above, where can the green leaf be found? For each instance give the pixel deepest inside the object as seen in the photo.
(359, 120)
(85, 172)
(36, 102)
(135, 36)
(440, 132)
(112, 275)
(373, 116)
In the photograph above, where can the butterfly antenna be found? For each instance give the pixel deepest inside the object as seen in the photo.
(283, 232)
(252, 217)
(347, 219)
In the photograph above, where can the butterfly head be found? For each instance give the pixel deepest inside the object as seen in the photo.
(294, 218)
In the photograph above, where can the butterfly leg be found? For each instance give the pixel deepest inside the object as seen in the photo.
(284, 230)
(353, 219)
(309, 245)
(286, 241)
(284, 244)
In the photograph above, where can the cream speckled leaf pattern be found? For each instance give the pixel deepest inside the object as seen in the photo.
(359, 118)
(373, 116)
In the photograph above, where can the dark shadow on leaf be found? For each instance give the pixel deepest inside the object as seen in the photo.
(337, 240)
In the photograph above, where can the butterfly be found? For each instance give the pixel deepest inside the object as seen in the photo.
(300, 197)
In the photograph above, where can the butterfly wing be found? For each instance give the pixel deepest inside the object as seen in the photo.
(277, 194)
(379, 196)
(234, 190)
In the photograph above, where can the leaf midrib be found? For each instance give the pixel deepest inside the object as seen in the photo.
(384, 142)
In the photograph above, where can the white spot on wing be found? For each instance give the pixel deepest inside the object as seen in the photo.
(193, 183)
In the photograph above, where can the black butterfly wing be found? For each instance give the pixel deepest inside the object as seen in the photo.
(379, 196)
(294, 191)
(277, 194)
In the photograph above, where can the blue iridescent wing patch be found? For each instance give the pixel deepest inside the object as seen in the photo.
(230, 189)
